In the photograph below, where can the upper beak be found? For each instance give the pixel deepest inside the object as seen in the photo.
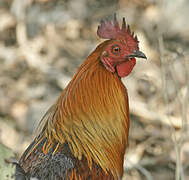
(137, 53)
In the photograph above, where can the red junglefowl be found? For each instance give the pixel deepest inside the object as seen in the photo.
(84, 134)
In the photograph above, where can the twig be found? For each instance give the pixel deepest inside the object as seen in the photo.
(146, 116)
(176, 146)
(142, 170)
(183, 102)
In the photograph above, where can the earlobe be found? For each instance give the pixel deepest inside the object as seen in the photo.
(104, 54)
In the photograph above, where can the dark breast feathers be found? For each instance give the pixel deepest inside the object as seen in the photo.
(61, 165)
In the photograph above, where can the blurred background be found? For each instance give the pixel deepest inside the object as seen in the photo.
(42, 43)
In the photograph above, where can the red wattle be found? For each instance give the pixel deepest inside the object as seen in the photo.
(125, 68)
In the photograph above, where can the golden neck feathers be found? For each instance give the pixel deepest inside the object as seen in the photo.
(92, 116)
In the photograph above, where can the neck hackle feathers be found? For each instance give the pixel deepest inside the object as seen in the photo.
(92, 114)
(109, 30)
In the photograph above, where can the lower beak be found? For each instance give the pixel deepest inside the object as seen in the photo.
(137, 54)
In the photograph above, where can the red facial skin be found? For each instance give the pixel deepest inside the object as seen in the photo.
(115, 55)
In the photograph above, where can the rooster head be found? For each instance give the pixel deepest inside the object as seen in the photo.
(119, 53)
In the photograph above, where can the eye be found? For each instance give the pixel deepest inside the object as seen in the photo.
(116, 49)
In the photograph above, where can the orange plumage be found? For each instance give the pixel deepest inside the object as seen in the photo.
(84, 134)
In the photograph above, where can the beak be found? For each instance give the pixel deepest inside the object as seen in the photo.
(137, 53)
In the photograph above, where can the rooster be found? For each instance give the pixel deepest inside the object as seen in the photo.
(84, 134)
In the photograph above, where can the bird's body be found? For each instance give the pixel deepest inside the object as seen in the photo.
(84, 134)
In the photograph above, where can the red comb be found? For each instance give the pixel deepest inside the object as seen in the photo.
(109, 30)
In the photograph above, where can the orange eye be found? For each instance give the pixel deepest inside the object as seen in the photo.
(116, 49)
